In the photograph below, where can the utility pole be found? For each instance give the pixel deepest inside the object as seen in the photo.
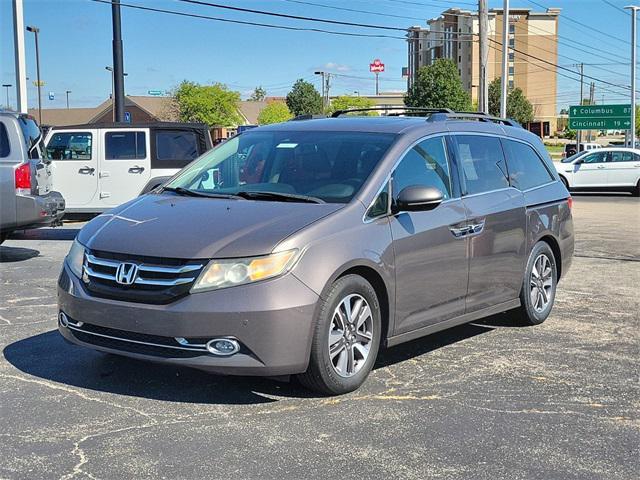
(118, 63)
(20, 63)
(326, 89)
(36, 31)
(592, 101)
(483, 92)
(322, 86)
(505, 58)
(579, 136)
(68, 92)
(632, 135)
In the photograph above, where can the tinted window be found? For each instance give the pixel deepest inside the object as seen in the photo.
(595, 158)
(174, 145)
(331, 166)
(381, 205)
(621, 157)
(482, 163)
(425, 164)
(125, 145)
(4, 141)
(31, 133)
(70, 146)
(526, 168)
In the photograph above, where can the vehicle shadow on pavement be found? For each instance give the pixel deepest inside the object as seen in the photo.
(48, 356)
(16, 254)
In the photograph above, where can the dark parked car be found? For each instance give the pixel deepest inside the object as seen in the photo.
(304, 247)
(26, 197)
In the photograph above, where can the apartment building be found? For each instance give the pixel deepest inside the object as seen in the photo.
(533, 41)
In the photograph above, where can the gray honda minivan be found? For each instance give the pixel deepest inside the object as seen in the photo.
(302, 248)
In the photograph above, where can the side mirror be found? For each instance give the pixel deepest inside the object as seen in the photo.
(417, 198)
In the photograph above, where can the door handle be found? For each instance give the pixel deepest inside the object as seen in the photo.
(459, 232)
(476, 227)
(600, 166)
(136, 169)
(86, 170)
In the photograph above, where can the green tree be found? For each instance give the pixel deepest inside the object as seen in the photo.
(438, 86)
(214, 105)
(518, 107)
(637, 122)
(274, 112)
(304, 99)
(258, 94)
(346, 102)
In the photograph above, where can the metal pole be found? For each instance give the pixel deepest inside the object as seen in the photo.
(632, 133)
(36, 31)
(68, 92)
(579, 136)
(505, 57)
(118, 63)
(377, 88)
(20, 63)
(483, 91)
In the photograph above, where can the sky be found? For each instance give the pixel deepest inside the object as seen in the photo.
(160, 50)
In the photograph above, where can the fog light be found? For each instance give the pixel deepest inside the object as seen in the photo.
(64, 321)
(223, 346)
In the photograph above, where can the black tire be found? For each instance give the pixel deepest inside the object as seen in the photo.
(321, 375)
(636, 191)
(3, 237)
(528, 313)
(565, 182)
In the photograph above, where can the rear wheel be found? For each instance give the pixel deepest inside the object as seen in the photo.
(636, 191)
(346, 338)
(539, 286)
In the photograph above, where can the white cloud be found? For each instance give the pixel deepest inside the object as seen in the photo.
(338, 67)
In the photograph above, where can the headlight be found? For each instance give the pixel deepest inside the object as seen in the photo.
(75, 258)
(231, 272)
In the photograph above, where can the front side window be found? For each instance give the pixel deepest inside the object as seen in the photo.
(598, 157)
(424, 165)
(175, 149)
(526, 168)
(125, 145)
(380, 206)
(482, 163)
(70, 146)
(330, 166)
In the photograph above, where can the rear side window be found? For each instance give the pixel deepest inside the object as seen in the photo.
(125, 145)
(31, 133)
(70, 146)
(623, 157)
(425, 165)
(526, 168)
(4, 141)
(482, 163)
(174, 149)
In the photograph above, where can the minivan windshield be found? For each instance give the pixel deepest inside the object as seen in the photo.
(574, 156)
(296, 166)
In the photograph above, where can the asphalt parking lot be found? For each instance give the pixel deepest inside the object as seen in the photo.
(484, 401)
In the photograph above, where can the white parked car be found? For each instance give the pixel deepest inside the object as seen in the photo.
(98, 167)
(614, 169)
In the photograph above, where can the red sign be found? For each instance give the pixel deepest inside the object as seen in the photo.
(377, 66)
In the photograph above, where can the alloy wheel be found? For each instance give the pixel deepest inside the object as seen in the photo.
(541, 283)
(350, 335)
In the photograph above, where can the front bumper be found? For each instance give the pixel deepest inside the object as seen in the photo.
(39, 210)
(272, 320)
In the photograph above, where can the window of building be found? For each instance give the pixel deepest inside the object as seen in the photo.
(512, 42)
(512, 28)
(4, 141)
(511, 70)
(511, 56)
(426, 165)
(526, 168)
(511, 84)
(125, 145)
(70, 146)
(482, 162)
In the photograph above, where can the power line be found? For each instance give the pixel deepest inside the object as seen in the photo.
(293, 17)
(422, 4)
(616, 7)
(255, 24)
(368, 12)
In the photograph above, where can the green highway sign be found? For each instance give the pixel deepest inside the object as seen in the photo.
(600, 117)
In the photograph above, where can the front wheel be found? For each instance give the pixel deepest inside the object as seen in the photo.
(539, 286)
(346, 338)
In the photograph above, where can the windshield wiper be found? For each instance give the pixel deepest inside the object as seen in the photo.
(276, 196)
(195, 193)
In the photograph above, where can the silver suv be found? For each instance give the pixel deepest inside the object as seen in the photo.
(26, 199)
(305, 247)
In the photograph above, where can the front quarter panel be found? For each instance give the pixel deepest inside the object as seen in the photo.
(340, 242)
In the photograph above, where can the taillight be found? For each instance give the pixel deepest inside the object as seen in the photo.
(23, 178)
(570, 202)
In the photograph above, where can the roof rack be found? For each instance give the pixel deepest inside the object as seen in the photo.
(306, 116)
(405, 110)
(479, 116)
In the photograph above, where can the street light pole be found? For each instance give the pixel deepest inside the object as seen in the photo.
(118, 63)
(7, 86)
(68, 92)
(634, 10)
(36, 31)
(505, 57)
(113, 100)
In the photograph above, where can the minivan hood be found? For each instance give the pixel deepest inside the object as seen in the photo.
(172, 226)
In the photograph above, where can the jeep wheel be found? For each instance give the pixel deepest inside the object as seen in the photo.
(346, 338)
